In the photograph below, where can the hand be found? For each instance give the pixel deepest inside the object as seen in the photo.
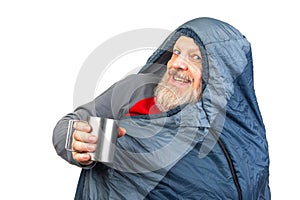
(84, 142)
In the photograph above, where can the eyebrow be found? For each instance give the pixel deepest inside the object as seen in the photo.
(192, 50)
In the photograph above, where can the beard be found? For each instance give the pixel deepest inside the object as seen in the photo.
(168, 96)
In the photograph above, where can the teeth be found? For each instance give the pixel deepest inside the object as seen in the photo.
(180, 79)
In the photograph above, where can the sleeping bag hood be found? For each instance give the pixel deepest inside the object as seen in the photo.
(213, 149)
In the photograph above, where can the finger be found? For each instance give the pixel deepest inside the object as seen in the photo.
(83, 147)
(121, 131)
(82, 126)
(82, 158)
(85, 137)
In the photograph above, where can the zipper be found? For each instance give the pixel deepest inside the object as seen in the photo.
(230, 163)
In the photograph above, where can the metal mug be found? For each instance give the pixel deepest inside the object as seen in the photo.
(107, 132)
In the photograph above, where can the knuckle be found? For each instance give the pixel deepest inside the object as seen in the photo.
(77, 135)
(80, 136)
(81, 157)
(83, 147)
(78, 146)
(75, 146)
(76, 156)
(82, 126)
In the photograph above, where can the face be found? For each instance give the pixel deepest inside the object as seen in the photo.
(186, 61)
(182, 83)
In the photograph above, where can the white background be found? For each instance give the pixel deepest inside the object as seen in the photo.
(43, 45)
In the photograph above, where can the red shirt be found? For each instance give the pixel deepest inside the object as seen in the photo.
(144, 107)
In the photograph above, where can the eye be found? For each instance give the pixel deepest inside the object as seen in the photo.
(176, 52)
(196, 58)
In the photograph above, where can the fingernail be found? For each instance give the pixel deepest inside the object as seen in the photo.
(92, 139)
(90, 147)
(86, 156)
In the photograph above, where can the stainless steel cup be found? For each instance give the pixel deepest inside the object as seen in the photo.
(107, 132)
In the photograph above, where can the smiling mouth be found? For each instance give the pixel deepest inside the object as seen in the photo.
(181, 79)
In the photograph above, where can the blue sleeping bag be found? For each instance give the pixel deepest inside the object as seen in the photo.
(213, 149)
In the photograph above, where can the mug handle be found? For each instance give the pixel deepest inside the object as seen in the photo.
(70, 133)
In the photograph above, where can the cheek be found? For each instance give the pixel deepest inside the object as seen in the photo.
(197, 76)
(170, 62)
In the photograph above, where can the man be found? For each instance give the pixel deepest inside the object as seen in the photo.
(193, 128)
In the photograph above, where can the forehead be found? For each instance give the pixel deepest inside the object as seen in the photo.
(184, 42)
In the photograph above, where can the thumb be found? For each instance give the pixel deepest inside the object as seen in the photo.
(121, 131)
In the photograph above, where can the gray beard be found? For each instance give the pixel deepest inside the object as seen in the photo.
(169, 96)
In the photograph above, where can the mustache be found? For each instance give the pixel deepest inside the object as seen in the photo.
(179, 74)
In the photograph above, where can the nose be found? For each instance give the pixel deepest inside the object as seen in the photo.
(180, 63)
